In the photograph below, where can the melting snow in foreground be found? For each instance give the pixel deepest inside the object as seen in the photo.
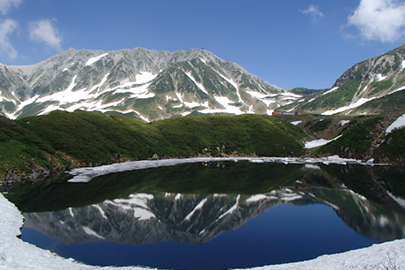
(16, 254)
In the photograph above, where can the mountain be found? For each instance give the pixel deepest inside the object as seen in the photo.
(369, 87)
(152, 85)
(141, 83)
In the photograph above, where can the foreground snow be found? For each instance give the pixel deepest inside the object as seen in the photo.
(16, 254)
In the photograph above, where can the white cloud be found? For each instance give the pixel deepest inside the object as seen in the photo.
(313, 11)
(5, 5)
(382, 20)
(44, 31)
(6, 28)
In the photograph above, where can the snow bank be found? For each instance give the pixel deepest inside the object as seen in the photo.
(85, 174)
(330, 91)
(320, 142)
(295, 123)
(94, 59)
(16, 254)
(344, 122)
(397, 124)
(351, 106)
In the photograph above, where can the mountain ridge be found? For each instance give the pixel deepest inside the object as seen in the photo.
(369, 80)
(142, 83)
(152, 85)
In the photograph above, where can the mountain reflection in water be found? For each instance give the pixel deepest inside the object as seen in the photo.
(156, 217)
(202, 203)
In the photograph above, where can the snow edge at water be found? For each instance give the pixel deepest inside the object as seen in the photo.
(85, 174)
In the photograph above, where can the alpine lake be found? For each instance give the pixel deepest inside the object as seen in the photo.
(214, 215)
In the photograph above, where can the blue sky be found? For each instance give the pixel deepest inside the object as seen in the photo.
(290, 43)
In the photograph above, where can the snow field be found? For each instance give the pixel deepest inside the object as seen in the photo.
(397, 124)
(351, 106)
(94, 59)
(320, 142)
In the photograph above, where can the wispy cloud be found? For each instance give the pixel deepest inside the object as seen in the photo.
(44, 31)
(382, 20)
(5, 5)
(313, 11)
(6, 28)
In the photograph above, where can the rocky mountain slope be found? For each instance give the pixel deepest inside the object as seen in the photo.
(369, 87)
(141, 83)
(152, 85)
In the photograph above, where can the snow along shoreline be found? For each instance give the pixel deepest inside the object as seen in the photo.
(85, 174)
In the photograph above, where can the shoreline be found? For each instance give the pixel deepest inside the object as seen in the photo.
(85, 174)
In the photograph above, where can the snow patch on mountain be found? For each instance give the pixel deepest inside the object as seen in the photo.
(330, 91)
(351, 106)
(227, 104)
(265, 98)
(179, 97)
(344, 122)
(397, 90)
(320, 142)
(295, 123)
(199, 85)
(95, 59)
(397, 124)
(192, 104)
(381, 77)
(68, 96)
(144, 77)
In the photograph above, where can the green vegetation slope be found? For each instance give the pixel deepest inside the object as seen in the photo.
(61, 140)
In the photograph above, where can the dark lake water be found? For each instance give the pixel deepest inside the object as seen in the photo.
(217, 215)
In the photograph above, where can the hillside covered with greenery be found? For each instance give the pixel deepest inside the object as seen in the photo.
(33, 147)
(62, 140)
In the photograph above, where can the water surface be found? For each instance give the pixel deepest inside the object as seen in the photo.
(215, 216)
